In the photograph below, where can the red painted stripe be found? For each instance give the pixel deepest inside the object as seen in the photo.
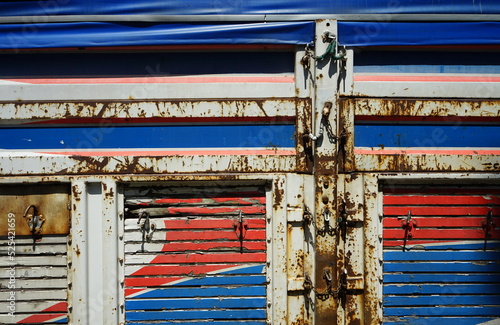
(190, 246)
(447, 233)
(170, 153)
(439, 222)
(433, 78)
(129, 292)
(212, 210)
(442, 151)
(209, 258)
(40, 318)
(61, 307)
(179, 269)
(107, 122)
(149, 282)
(212, 224)
(440, 200)
(440, 190)
(158, 80)
(440, 211)
(250, 234)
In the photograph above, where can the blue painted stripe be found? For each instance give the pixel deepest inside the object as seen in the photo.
(257, 269)
(440, 300)
(394, 289)
(442, 267)
(196, 314)
(436, 278)
(439, 320)
(444, 311)
(185, 136)
(426, 136)
(441, 256)
(176, 292)
(62, 321)
(217, 280)
(226, 302)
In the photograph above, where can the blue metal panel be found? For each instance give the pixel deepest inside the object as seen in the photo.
(440, 320)
(440, 278)
(440, 300)
(426, 136)
(194, 314)
(441, 267)
(394, 289)
(185, 136)
(445, 311)
(189, 303)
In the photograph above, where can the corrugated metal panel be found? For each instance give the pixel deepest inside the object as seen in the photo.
(205, 259)
(33, 272)
(445, 272)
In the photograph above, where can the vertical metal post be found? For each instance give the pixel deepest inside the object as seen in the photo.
(325, 111)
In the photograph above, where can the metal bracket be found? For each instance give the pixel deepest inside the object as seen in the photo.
(409, 225)
(488, 226)
(147, 227)
(35, 222)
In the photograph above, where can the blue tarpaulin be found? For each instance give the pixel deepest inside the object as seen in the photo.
(418, 33)
(240, 7)
(92, 34)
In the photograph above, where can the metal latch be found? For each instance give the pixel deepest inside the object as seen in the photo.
(327, 228)
(240, 227)
(343, 222)
(35, 222)
(488, 226)
(147, 227)
(409, 225)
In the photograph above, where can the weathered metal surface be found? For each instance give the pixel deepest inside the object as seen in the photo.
(448, 109)
(449, 266)
(431, 157)
(50, 201)
(226, 87)
(33, 273)
(80, 165)
(423, 89)
(351, 214)
(372, 250)
(35, 111)
(328, 249)
(325, 106)
(215, 251)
